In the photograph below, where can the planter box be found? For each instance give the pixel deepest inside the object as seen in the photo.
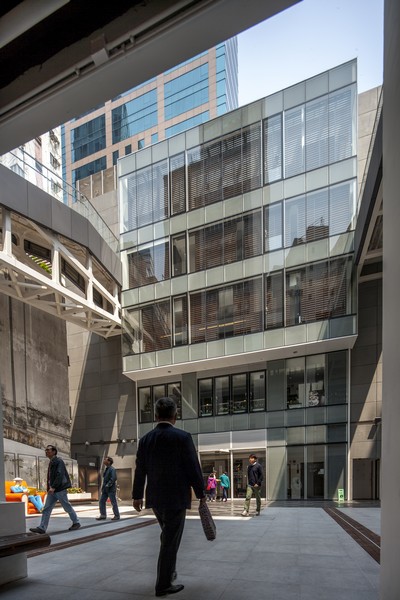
(85, 496)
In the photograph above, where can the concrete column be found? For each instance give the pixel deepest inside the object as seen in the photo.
(390, 572)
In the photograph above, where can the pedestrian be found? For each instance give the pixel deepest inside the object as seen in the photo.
(212, 486)
(167, 459)
(108, 490)
(225, 485)
(58, 482)
(255, 476)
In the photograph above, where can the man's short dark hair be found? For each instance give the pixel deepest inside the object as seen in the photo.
(110, 460)
(253, 456)
(51, 448)
(165, 408)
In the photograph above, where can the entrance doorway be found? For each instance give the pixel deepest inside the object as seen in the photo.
(235, 464)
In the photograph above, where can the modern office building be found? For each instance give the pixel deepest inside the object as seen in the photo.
(239, 286)
(194, 92)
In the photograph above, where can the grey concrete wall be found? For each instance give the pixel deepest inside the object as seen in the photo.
(390, 572)
(34, 376)
(367, 105)
(366, 385)
(102, 401)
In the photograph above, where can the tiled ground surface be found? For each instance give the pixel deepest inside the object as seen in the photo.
(290, 553)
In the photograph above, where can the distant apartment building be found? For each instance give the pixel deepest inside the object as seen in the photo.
(39, 161)
(239, 293)
(192, 93)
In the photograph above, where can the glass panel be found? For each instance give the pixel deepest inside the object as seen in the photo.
(276, 473)
(156, 327)
(273, 148)
(295, 287)
(315, 471)
(9, 466)
(43, 465)
(295, 221)
(295, 435)
(276, 385)
(212, 164)
(316, 434)
(274, 300)
(145, 405)
(295, 382)
(257, 391)
(174, 391)
(341, 207)
(295, 472)
(337, 377)
(315, 386)
(205, 398)
(239, 393)
(294, 141)
(27, 469)
(180, 321)
(337, 456)
(273, 227)
(317, 215)
(342, 114)
(158, 392)
(337, 433)
(317, 136)
(221, 391)
(179, 254)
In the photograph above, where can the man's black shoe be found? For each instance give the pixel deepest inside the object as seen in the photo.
(172, 589)
(115, 519)
(36, 530)
(74, 526)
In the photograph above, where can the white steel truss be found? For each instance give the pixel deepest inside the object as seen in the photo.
(54, 274)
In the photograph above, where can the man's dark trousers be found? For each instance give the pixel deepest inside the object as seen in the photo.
(172, 523)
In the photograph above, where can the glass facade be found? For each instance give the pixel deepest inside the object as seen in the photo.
(134, 116)
(186, 92)
(237, 247)
(88, 138)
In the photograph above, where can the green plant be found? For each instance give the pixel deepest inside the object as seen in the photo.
(75, 490)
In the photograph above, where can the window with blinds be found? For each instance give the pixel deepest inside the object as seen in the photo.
(342, 119)
(251, 157)
(317, 133)
(295, 221)
(195, 178)
(342, 207)
(212, 169)
(294, 141)
(317, 215)
(179, 254)
(231, 147)
(160, 191)
(178, 182)
(319, 291)
(226, 312)
(273, 290)
(149, 264)
(180, 321)
(156, 326)
(272, 144)
(273, 228)
(128, 204)
(144, 196)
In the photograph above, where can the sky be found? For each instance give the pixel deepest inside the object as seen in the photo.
(308, 38)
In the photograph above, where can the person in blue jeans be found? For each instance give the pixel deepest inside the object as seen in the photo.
(21, 489)
(58, 482)
(225, 484)
(108, 490)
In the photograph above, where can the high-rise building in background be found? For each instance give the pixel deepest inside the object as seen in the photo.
(192, 93)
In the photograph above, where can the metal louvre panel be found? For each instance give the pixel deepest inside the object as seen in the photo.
(212, 441)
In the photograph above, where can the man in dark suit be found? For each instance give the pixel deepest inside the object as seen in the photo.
(167, 458)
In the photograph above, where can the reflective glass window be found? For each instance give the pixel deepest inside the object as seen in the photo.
(315, 380)
(294, 141)
(274, 300)
(273, 148)
(295, 221)
(145, 405)
(88, 138)
(239, 393)
(257, 391)
(273, 229)
(186, 92)
(295, 386)
(317, 133)
(134, 116)
(180, 321)
(205, 397)
(337, 377)
(222, 395)
(179, 254)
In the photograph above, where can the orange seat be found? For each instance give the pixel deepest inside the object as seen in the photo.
(23, 496)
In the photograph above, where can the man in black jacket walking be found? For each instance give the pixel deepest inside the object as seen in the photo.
(58, 482)
(167, 460)
(109, 490)
(255, 476)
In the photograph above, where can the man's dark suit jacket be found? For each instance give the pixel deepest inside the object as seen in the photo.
(167, 457)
